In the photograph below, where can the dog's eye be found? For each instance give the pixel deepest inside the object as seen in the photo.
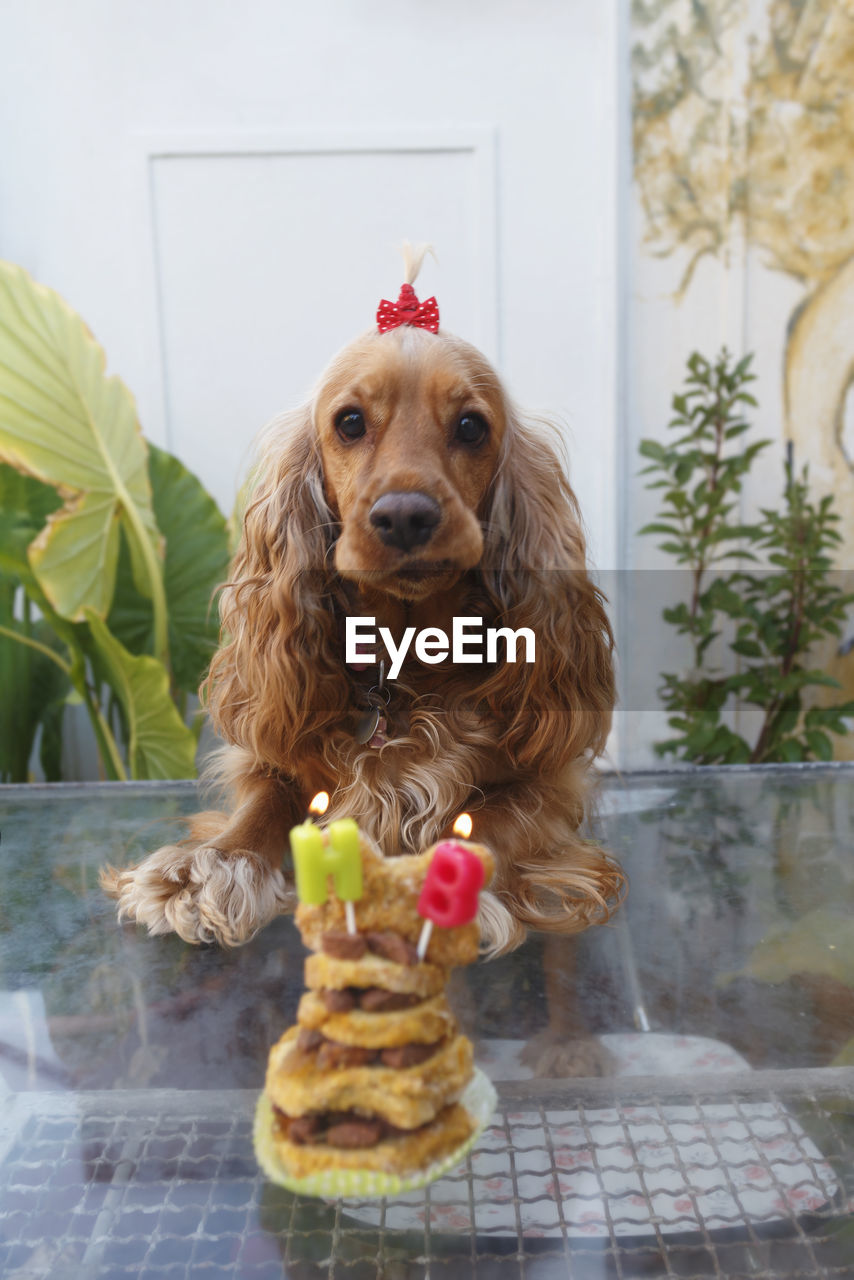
(350, 424)
(471, 429)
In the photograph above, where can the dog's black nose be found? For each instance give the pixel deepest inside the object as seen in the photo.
(405, 520)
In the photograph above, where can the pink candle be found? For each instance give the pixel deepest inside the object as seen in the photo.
(449, 895)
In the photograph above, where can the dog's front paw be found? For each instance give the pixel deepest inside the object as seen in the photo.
(200, 893)
(556, 1057)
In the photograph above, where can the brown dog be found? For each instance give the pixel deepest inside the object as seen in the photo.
(409, 490)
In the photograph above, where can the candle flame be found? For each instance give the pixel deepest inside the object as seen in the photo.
(463, 826)
(320, 803)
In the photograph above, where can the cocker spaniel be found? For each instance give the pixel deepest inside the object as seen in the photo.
(411, 491)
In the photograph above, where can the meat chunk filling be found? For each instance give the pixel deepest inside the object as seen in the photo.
(348, 1129)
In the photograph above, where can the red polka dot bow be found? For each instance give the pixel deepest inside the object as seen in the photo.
(408, 310)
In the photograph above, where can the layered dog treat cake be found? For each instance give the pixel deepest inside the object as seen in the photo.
(371, 1076)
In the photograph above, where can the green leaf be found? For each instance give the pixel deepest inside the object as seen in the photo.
(660, 528)
(197, 558)
(678, 615)
(67, 424)
(50, 745)
(738, 751)
(697, 741)
(652, 449)
(159, 743)
(747, 648)
(822, 716)
(25, 505)
(33, 693)
(820, 677)
(819, 744)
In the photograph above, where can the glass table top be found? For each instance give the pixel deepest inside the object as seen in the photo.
(719, 1006)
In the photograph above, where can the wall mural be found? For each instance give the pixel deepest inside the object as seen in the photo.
(743, 139)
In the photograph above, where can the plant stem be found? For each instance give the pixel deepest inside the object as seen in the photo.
(107, 745)
(38, 646)
(793, 634)
(159, 605)
(700, 567)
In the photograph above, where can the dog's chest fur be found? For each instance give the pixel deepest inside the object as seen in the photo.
(435, 760)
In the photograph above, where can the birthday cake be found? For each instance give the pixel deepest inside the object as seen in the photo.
(372, 1076)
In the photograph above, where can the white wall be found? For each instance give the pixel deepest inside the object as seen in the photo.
(219, 189)
(91, 90)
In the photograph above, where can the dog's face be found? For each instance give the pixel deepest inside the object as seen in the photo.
(410, 426)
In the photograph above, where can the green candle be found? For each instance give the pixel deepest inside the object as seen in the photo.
(315, 860)
(307, 848)
(347, 862)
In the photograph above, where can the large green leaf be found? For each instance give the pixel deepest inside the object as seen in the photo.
(33, 684)
(64, 422)
(25, 505)
(34, 687)
(197, 556)
(159, 743)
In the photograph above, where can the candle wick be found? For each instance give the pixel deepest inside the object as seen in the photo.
(350, 913)
(424, 939)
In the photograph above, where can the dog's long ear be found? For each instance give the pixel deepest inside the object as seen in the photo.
(278, 681)
(557, 708)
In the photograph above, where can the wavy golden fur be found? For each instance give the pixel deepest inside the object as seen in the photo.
(333, 529)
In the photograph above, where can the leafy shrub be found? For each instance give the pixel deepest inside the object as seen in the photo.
(110, 550)
(770, 619)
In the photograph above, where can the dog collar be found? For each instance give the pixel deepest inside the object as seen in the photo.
(372, 727)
